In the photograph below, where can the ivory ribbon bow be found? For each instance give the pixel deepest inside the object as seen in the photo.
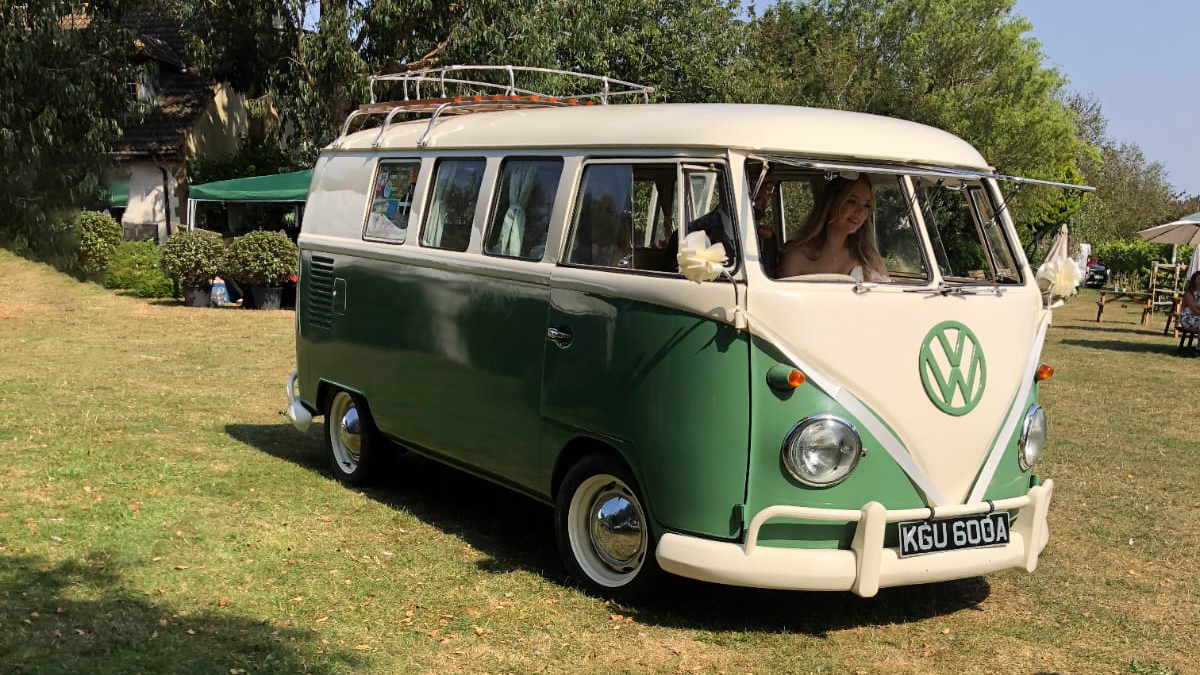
(699, 260)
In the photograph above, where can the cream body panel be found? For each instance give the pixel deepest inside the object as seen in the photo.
(763, 128)
(869, 343)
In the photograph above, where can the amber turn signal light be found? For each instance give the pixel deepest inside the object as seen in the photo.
(784, 378)
(1043, 373)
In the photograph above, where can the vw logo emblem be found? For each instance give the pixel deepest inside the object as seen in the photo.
(953, 369)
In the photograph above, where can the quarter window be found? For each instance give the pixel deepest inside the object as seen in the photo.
(452, 207)
(523, 206)
(967, 239)
(390, 201)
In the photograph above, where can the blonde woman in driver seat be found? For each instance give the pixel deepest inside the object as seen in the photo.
(839, 235)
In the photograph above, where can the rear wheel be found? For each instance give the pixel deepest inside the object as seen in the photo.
(353, 443)
(602, 530)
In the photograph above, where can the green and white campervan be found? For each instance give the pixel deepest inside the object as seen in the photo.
(496, 284)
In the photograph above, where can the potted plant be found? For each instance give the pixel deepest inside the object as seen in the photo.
(264, 260)
(192, 258)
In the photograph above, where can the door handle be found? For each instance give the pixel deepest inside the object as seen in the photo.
(559, 336)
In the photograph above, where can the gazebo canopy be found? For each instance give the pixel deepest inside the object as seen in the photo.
(284, 187)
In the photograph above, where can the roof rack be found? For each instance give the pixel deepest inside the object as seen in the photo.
(460, 89)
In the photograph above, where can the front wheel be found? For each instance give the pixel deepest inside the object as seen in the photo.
(351, 440)
(602, 530)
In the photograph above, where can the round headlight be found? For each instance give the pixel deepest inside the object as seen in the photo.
(822, 450)
(1033, 437)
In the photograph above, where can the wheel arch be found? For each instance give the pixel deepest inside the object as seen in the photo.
(581, 446)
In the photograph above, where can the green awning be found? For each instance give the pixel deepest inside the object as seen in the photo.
(118, 195)
(283, 187)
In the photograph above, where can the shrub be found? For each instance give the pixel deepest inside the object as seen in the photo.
(99, 236)
(135, 268)
(261, 258)
(191, 257)
(1129, 261)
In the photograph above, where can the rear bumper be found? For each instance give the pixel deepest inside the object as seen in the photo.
(868, 565)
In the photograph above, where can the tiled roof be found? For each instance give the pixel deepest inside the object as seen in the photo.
(163, 129)
(184, 94)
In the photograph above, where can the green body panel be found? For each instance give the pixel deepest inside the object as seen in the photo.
(1009, 480)
(666, 388)
(448, 361)
(775, 413)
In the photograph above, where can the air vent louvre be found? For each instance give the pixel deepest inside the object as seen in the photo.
(320, 292)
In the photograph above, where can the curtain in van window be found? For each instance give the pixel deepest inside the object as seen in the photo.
(435, 222)
(520, 186)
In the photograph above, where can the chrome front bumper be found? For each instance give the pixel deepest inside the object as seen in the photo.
(296, 412)
(868, 565)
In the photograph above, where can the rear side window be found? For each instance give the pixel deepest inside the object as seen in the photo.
(524, 202)
(391, 201)
(452, 208)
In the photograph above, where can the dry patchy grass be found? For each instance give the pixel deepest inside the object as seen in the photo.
(158, 515)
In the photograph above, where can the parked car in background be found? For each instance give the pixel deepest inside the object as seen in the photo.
(1097, 275)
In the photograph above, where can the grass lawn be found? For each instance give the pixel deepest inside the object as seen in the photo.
(159, 515)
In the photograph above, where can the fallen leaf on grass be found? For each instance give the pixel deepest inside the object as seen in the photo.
(325, 519)
(362, 648)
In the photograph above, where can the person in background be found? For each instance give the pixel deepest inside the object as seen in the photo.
(768, 244)
(1189, 315)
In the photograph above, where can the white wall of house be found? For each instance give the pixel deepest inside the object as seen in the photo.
(218, 130)
(146, 197)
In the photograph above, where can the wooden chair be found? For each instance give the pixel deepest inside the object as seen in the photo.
(1189, 342)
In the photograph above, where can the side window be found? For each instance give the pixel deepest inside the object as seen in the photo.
(523, 206)
(391, 200)
(969, 245)
(452, 207)
(625, 218)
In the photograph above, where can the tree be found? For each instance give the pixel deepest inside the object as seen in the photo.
(1132, 193)
(688, 49)
(65, 66)
(965, 67)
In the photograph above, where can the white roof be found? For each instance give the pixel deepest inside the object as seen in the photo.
(776, 129)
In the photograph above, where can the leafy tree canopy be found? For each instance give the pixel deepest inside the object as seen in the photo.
(64, 76)
(314, 57)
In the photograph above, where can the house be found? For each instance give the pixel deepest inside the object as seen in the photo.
(185, 116)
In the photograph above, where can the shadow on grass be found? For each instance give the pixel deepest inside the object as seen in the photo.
(1120, 346)
(517, 533)
(1133, 328)
(75, 617)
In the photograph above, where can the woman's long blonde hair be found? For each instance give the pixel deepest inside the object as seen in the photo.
(816, 227)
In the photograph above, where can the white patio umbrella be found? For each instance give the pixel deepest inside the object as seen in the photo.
(1182, 232)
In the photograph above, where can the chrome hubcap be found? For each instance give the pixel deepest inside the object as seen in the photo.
(345, 432)
(349, 432)
(616, 529)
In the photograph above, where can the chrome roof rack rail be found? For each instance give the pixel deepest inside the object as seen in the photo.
(462, 89)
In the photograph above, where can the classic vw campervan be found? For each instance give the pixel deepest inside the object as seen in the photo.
(581, 299)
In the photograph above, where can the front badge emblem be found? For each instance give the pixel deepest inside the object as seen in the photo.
(953, 369)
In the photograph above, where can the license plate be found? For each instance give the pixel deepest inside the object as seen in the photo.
(918, 537)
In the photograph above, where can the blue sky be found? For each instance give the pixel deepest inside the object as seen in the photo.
(1141, 60)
